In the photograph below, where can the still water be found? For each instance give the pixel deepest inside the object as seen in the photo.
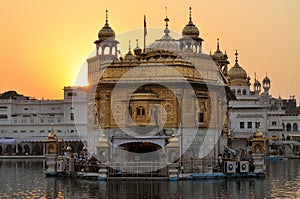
(25, 179)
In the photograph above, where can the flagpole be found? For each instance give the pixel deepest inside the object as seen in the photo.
(145, 33)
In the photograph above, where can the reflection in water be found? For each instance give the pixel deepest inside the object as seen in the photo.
(25, 179)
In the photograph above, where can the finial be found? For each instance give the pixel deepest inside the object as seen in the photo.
(166, 12)
(166, 20)
(218, 44)
(129, 47)
(137, 42)
(190, 13)
(106, 13)
(236, 56)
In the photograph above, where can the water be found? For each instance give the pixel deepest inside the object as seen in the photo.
(25, 179)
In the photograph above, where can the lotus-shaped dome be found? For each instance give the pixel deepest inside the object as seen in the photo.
(191, 30)
(258, 134)
(167, 42)
(237, 72)
(106, 32)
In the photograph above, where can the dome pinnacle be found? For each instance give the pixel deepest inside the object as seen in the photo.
(106, 16)
(190, 14)
(236, 56)
(167, 31)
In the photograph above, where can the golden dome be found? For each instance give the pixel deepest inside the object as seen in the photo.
(102, 139)
(106, 32)
(52, 135)
(173, 138)
(137, 50)
(69, 148)
(237, 72)
(173, 141)
(190, 30)
(218, 53)
(258, 134)
(84, 148)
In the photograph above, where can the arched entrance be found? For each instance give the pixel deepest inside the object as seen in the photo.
(141, 151)
(26, 149)
(20, 150)
(9, 149)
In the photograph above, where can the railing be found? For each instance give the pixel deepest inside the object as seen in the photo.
(138, 169)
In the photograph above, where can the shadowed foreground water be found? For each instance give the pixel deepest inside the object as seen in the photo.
(25, 179)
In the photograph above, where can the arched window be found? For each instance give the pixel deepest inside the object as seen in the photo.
(100, 51)
(295, 127)
(283, 127)
(140, 111)
(113, 51)
(233, 90)
(194, 48)
(106, 50)
(244, 92)
(239, 92)
(288, 127)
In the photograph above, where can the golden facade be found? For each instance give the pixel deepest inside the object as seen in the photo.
(153, 96)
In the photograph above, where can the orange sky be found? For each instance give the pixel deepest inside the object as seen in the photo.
(44, 43)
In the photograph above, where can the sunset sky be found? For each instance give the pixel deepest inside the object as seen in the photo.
(44, 43)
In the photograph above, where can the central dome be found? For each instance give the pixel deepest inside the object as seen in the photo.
(167, 42)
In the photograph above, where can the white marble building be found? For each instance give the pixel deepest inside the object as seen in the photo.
(26, 122)
(253, 109)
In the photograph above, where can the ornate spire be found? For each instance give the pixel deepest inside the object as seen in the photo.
(167, 31)
(129, 55)
(129, 48)
(106, 16)
(218, 44)
(166, 9)
(190, 14)
(236, 56)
